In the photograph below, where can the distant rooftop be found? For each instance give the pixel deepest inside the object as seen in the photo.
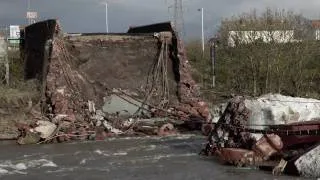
(315, 23)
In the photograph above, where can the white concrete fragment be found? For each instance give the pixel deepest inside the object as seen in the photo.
(59, 117)
(91, 106)
(45, 128)
(108, 126)
(309, 164)
(128, 122)
(216, 111)
(98, 123)
(100, 113)
(61, 90)
(97, 117)
(274, 109)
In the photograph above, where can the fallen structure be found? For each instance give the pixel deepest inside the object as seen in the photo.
(98, 85)
(274, 131)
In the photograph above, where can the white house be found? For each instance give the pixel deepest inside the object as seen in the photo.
(246, 37)
(316, 26)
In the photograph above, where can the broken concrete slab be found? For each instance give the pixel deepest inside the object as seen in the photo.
(124, 106)
(271, 109)
(110, 128)
(308, 164)
(45, 128)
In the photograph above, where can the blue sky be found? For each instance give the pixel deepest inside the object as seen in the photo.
(89, 15)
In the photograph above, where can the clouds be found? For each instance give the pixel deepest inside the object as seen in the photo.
(89, 15)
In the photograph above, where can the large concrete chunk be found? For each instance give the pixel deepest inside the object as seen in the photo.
(274, 109)
(309, 164)
(45, 128)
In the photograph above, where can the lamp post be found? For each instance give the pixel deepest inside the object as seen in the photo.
(202, 28)
(28, 5)
(28, 10)
(107, 23)
(213, 45)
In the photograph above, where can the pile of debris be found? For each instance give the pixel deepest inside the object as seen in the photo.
(291, 148)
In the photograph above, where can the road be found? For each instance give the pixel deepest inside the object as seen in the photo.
(151, 158)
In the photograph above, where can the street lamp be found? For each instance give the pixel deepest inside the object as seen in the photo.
(202, 28)
(107, 23)
(29, 5)
(213, 45)
(28, 10)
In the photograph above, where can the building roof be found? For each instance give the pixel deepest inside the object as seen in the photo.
(315, 23)
(159, 27)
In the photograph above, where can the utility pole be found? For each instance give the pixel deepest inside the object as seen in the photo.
(31, 15)
(202, 29)
(107, 22)
(213, 45)
(178, 17)
(28, 10)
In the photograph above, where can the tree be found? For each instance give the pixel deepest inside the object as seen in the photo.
(274, 51)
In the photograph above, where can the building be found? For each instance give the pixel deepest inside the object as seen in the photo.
(246, 37)
(316, 26)
(242, 33)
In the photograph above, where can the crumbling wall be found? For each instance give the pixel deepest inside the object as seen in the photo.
(119, 61)
(90, 66)
(86, 77)
(36, 37)
(190, 106)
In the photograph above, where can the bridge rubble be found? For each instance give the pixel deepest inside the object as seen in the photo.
(274, 132)
(94, 86)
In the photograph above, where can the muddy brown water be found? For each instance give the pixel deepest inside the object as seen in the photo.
(151, 158)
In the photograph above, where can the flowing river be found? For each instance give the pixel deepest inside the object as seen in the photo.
(152, 158)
